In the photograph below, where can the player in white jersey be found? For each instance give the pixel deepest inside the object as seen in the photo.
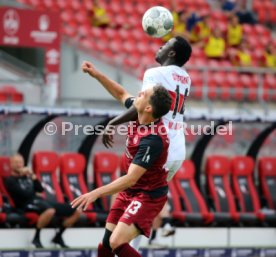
(177, 81)
(171, 56)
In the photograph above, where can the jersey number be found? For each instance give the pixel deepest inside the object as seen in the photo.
(133, 207)
(177, 101)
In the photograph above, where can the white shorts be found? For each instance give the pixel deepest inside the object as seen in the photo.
(173, 167)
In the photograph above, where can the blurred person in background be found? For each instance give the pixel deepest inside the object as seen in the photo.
(201, 30)
(180, 26)
(268, 59)
(234, 31)
(214, 46)
(180, 19)
(25, 190)
(242, 56)
(245, 15)
(99, 16)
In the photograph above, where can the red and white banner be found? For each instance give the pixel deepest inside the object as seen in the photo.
(29, 28)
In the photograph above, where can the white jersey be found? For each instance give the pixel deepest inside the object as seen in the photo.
(177, 81)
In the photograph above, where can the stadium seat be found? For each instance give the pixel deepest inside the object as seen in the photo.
(72, 167)
(13, 217)
(267, 180)
(12, 95)
(189, 206)
(246, 193)
(45, 165)
(106, 165)
(219, 190)
(196, 88)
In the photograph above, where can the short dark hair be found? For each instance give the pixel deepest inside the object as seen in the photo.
(160, 101)
(183, 51)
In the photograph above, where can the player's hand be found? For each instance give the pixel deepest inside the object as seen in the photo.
(83, 201)
(89, 68)
(108, 136)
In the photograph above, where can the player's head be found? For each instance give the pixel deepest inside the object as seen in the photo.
(155, 101)
(17, 162)
(176, 51)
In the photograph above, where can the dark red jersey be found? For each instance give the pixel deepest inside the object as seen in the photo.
(147, 146)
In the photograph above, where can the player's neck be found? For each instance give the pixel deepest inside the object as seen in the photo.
(168, 62)
(145, 119)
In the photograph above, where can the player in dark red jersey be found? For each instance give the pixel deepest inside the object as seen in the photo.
(143, 190)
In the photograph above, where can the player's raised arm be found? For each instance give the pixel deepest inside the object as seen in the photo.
(129, 115)
(115, 89)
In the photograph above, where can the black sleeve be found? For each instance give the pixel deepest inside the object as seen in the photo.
(129, 102)
(15, 190)
(37, 186)
(150, 148)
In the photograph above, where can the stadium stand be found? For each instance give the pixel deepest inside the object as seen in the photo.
(125, 50)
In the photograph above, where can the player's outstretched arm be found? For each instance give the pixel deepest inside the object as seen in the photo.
(129, 115)
(134, 174)
(115, 89)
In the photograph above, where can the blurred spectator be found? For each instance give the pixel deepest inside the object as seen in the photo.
(245, 15)
(228, 5)
(25, 190)
(180, 26)
(192, 20)
(99, 17)
(268, 59)
(234, 32)
(241, 56)
(201, 30)
(215, 45)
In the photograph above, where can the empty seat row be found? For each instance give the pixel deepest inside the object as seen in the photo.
(232, 198)
(233, 85)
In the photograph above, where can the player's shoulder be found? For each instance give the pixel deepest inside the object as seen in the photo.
(154, 70)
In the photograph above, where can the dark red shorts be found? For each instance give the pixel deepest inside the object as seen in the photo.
(139, 209)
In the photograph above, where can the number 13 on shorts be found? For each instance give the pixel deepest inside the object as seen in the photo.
(133, 207)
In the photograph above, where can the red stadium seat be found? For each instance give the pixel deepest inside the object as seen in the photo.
(218, 187)
(196, 87)
(72, 167)
(5, 171)
(246, 193)
(11, 94)
(106, 165)
(267, 180)
(193, 209)
(45, 165)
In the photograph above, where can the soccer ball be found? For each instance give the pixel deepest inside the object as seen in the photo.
(157, 21)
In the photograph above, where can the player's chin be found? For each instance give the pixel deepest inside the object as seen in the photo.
(157, 58)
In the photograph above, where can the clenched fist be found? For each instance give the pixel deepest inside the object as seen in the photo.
(89, 68)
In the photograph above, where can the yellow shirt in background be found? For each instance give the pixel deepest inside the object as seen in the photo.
(234, 35)
(215, 47)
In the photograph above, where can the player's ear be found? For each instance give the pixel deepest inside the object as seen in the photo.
(148, 108)
(172, 53)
